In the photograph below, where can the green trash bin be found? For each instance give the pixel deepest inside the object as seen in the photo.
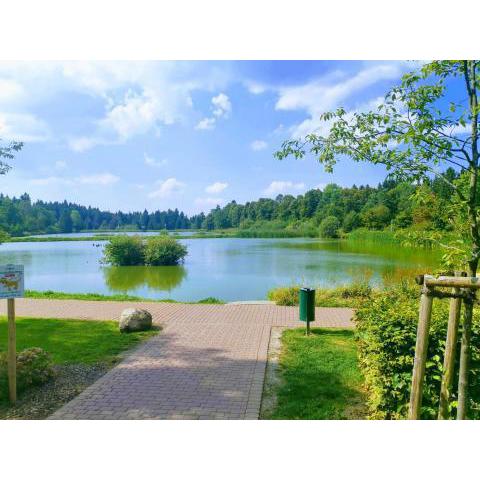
(307, 304)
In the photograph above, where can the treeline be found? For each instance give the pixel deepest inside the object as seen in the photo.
(336, 209)
(326, 212)
(20, 216)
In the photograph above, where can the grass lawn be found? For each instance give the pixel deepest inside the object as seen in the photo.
(319, 377)
(119, 297)
(72, 341)
(81, 351)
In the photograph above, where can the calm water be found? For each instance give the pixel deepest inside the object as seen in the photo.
(229, 269)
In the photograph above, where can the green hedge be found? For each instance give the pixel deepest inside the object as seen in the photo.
(386, 334)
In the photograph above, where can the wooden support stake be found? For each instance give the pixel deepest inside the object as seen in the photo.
(450, 353)
(462, 404)
(12, 351)
(421, 347)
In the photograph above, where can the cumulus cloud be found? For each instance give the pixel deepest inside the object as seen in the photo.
(152, 162)
(167, 188)
(221, 108)
(207, 123)
(278, 186)
(216, 187)
(137, 97)
(258, 145)
(221, 105)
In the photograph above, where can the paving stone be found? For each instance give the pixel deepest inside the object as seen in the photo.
(208, 362)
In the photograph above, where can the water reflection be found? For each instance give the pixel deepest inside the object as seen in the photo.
(123, 279)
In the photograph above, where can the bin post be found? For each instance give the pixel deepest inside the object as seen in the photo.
(307, 306)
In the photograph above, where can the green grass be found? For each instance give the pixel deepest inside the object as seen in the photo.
(320, 376)
(52, 295)
(73, 341)
(227, 233)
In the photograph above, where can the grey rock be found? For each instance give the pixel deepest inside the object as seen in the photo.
(135, 320)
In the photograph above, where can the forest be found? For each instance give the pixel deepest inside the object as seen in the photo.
(329, 212)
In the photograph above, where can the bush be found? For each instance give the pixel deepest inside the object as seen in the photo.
(348, 296)
(164, 251)
(125, 250)
(330, 227)
(34, 367)
(386, 333)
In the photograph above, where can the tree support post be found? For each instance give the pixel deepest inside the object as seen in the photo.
(450, 353)
(421, 347)
(12, 352)
(465, 359)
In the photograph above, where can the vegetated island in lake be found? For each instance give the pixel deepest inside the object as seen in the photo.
(390, 211)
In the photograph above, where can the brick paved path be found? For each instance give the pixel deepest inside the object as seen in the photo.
(208, 362)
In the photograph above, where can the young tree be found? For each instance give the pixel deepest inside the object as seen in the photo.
(8, 151)
(428, 122)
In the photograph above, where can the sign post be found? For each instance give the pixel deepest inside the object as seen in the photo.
(11, 287)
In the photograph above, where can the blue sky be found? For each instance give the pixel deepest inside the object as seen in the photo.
(157, 135)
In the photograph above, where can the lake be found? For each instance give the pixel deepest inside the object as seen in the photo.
(227, 268)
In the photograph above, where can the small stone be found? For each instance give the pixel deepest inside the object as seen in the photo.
(135, 320)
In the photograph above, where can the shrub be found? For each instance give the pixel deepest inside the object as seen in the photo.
(124, 250)
(348, 296)
(34, 367)
(329, 227)
(386, 334)
(164, 250)
(286, 296)
(356, 290)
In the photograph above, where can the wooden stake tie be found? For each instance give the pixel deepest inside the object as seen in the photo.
(463, 288)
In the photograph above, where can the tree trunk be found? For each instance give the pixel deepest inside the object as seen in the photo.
(470, 79)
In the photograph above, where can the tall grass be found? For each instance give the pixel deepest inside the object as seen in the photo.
(380, 236)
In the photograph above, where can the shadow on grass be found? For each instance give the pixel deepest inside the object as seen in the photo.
(319, 376)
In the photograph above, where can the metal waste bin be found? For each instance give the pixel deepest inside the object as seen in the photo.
(307, 304)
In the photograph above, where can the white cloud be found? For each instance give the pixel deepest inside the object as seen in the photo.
(98, 179)
(206, 124)
(60, 164)
(216, 187)
(23, 127)
(221, 108)
(81, 144)
(103, 179)
(52, 180)
(167, 188)
(221, 105)
(138, 97)
(279, 186)
(258, 145)
(152, 162)
(208, 202)
(255, 88)
(331, 91)
(10, 91)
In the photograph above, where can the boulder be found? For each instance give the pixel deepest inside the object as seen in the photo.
(135, 320)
